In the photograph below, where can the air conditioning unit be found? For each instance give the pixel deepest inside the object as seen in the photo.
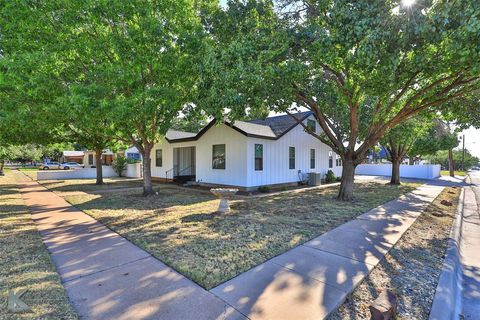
(314, 179)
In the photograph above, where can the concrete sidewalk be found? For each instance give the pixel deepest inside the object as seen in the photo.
(470, 252)
(311, 280)
(106, 276)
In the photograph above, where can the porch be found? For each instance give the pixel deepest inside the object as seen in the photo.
(183, 169)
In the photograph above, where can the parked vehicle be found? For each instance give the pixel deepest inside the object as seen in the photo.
(71, 165)
(49, 165)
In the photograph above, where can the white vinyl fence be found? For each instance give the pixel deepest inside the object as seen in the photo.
(132, 171)
(425, 171)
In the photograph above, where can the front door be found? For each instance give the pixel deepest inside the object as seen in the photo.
(184, 161)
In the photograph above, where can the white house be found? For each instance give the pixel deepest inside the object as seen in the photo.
(245, 154)
(132, 153)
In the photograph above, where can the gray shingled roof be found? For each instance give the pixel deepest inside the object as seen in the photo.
(174, 134)
(281, 124)
(255, 129)
(269, 128)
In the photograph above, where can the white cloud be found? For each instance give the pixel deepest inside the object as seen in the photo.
(472, 140)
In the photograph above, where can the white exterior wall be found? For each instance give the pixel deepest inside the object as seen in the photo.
(428, 171)
(240, 157)
(235, 171)
(276, 158)
(132, 171)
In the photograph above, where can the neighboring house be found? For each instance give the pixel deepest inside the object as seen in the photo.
(132, 153)
(73, 156)
(245, 154)
(107, 158)
(382, 157)
(87, 157)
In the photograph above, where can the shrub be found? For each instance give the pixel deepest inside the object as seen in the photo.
(264, 189)
(119, 165)
(330, 177)
(132, 161)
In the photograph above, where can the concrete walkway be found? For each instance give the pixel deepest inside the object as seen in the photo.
(311, 280)
(107, 277)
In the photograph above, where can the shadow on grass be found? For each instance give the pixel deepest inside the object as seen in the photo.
(180, 228)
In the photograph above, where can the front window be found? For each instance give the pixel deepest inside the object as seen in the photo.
(312, 158)
(258, 157)
(338, 161)
(158, 158)
(291, 157)
(90, 159)
(218, 156)
(330, 159)
(311, 125)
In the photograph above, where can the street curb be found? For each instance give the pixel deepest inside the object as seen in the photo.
(448, 295)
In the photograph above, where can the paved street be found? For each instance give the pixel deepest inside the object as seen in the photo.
(470, 249)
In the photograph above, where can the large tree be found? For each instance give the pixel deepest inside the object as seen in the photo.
(361, 67)
(147, 52)
(439, 137)
(399, 140)
(87, 120)
(135, 58)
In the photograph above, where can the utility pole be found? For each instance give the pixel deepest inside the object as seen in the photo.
(463, 153)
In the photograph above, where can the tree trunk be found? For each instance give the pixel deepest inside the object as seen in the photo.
(147, 172)
(2, 164)
(395, 179)
(346, 186)
(451, 165)
(98, 161)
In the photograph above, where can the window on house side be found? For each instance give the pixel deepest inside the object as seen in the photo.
(330, 159)
(338, 161)
(312, 158)
(258, 157)
(311, 125)
(291, 157)
(158, 158)
(218, 156)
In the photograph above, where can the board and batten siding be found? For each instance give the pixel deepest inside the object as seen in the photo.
(235, 172)
(240, 157)
(276, 158)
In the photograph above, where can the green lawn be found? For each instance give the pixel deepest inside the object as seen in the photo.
(25, 262)
(457, 173)
(179, 227)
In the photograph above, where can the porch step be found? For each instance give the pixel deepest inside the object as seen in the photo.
(183, 179)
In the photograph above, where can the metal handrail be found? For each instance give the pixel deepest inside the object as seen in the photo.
(170, 170)
(185, 169)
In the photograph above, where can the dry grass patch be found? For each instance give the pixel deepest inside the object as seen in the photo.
(412, 268)
(179, 227)
(88, 185)
(25, 262)
(30, 172)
